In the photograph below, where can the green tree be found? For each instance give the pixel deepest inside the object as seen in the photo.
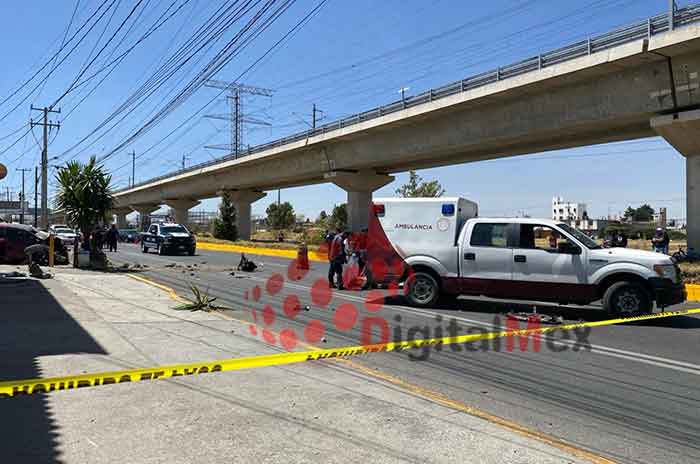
(280, 216)
(339, 217)
(84, 194)
(417, 187)
(644, 213)
(225, 225)
(322, 218)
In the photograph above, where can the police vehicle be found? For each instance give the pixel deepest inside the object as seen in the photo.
(168, 237)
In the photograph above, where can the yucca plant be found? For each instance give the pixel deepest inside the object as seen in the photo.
(84, 194)
(201, 302)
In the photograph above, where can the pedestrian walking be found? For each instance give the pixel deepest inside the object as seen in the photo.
(336, 259)
(112, 238)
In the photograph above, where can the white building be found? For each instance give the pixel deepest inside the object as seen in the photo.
(568, 211)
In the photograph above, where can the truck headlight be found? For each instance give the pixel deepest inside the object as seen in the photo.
(666, 271)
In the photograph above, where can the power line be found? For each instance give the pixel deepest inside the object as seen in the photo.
(270, 50)
(3, 117)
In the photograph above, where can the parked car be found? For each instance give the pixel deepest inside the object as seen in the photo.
(65, 233)
(453, 252)
(168, 237)
(129, 235)
(14, 238)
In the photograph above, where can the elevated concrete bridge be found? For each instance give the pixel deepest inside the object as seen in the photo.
(632, 83)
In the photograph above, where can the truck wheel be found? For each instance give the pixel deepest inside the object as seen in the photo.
(191, 251)
(144, 248)
(626, 298)
(161, 250)
(423, 289)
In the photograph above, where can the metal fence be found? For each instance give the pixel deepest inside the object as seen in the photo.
(642, 30)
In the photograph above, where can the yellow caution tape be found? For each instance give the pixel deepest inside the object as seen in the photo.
(31, 386)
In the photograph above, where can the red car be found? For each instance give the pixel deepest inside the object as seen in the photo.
(14, 238)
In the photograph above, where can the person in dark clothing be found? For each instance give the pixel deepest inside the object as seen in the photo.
(621, 240)
(336, 259)
(112, 238)
(660, 241)
(98, 239)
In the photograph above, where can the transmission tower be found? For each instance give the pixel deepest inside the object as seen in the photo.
(236, 117)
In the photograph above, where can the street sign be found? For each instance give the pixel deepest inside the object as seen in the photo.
(3, 171)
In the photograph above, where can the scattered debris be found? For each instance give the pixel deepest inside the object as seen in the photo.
(12, 274)
(171, 265)
(36, 271)
(306, 308)
(204, 262)
(536, 317)
(246, 265)
(233, 274)
(202, 302)
(324, 340)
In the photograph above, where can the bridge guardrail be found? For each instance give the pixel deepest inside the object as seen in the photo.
(641, 30)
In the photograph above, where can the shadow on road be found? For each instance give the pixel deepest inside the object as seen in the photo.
(33, 324)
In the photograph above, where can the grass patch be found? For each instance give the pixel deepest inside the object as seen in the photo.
(201, 302)
(691, 272)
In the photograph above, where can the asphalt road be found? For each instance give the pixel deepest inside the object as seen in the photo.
(629, 393)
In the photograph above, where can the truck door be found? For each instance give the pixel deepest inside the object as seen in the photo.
(487, 259)
(548, 265)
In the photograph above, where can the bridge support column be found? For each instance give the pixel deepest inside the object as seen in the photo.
(359, 186)
(242, 199)
(145, 214)
(682, 130)
(181, 207)
(121, 217)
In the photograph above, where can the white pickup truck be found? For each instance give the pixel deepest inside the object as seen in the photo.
(452, 251)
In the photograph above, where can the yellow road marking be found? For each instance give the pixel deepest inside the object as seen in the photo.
(291, 254)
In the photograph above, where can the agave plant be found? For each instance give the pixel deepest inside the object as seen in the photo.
(84, 194)
(201, 302)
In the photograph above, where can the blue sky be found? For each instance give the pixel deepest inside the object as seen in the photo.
(351, 56)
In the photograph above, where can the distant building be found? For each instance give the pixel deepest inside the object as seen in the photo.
(568, 211)
(593, 226)
(661, 217)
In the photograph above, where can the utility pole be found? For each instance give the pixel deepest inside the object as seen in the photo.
(133, 168)
(184, 158)
(22, 196)
(671, 13)
(46, 124)
(314, 119)
(236, 117)
(36, 195)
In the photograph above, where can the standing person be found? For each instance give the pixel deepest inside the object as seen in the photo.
(112, 238)
(336, 258)
(98, 239)
(622, 240)
(660, 241)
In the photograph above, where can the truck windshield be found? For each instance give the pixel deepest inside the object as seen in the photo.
(580, 236)
(173, 229)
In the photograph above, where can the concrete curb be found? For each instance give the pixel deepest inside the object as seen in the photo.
(291, 254)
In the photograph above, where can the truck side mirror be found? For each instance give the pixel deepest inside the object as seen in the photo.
(569, 248)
